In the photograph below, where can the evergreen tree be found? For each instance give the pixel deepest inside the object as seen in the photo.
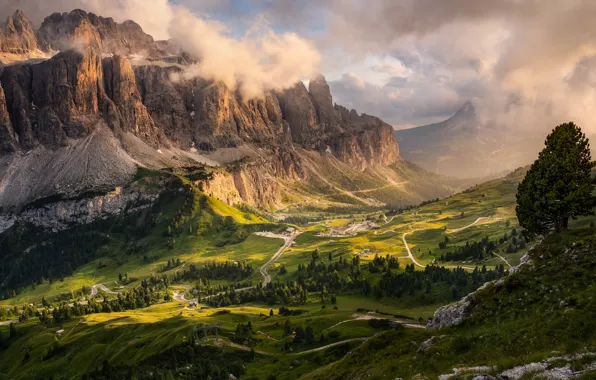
(559, 184)
(13, 331)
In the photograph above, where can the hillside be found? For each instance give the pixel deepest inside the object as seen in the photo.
(547, 304)
(357, 289)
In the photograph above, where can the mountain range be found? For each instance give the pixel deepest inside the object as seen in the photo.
(85, 102)
(464, 146)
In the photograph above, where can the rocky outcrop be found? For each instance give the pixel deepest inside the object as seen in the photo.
(452, 314)
(455, 313)
(221, 186)
(17, 35)
(300, 113)
(64, 214)
(125, 110)
(171, 104)
(258, 182)
(8, 138)
(323, 102)
(365, 146)
(223, 119)
(79, 29)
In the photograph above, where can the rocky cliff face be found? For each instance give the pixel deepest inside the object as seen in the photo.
(170, 104)
(223, 119)
(8, 142)
(17, 35)
(78, 29)
(93, 96)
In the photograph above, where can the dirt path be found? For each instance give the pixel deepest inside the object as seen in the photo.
(268, 336)
(6, 323)
(96, 288)
(289, 239)
(329, 346)
(244, 348)
(504, 259)
(366, 317)
(411, 256)
(470, 225)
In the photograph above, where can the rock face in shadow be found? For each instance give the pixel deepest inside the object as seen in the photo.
(323, 102)
(300, 113)
(124, 108)
(170, 104)
(8, 137)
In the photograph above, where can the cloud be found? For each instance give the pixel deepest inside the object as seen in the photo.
(258, 61)
(513, 57)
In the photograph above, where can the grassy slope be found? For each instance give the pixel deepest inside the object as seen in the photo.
(133, 336)
(524, 321)
(151, 330)
(334, 185)
(426, 227)
(495, 198)
(194, 241)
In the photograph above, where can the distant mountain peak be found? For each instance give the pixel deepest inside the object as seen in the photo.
(467, 111)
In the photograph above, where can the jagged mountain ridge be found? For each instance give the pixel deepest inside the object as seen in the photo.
(117, 113)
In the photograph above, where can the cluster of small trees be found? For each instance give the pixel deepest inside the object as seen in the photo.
(484, 248)
(137, 298)
(412, 282)
(232, 271)
(346, 276)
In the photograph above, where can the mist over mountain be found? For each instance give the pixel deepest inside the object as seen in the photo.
(466, 147)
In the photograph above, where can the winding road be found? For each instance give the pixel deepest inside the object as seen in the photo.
(289, 239)
(410, 252)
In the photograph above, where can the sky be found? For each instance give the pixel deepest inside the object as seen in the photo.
(523, 63)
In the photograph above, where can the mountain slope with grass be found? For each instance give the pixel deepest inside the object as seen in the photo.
(538, 321)
(161, 216)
